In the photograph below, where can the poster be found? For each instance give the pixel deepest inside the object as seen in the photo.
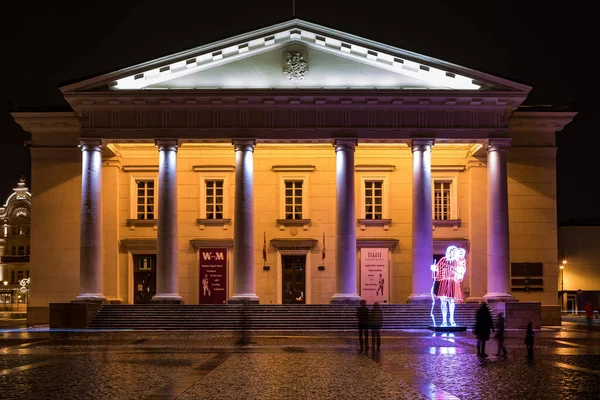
(213, 276)
(374, 275)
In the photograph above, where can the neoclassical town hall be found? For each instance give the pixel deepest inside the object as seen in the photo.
(292, 164)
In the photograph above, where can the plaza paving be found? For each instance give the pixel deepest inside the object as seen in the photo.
(43, 364)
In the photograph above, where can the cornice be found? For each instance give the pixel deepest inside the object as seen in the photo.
(389, 243)
(553, 121)
(252, 98)
(200, 243)
(48, 122)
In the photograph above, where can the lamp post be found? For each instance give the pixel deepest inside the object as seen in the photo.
(562, 282)
(4, 296)
(562, 286)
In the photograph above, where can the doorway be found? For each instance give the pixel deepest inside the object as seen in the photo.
(293, 279)
(144, 278)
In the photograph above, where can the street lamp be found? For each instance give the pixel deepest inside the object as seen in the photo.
(562, 283)
(4, 297)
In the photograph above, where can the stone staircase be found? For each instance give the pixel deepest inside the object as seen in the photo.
(267, 317)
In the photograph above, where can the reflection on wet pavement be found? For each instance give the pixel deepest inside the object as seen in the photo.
(413, 364)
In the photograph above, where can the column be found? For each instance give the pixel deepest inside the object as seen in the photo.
(422, 230)
(345, 256)
(477, 264)
(167, 269)
(90, 261)
(498, 258)
(244, 289)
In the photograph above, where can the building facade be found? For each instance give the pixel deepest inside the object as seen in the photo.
(280, 166)
(579, 266)
(15, 223)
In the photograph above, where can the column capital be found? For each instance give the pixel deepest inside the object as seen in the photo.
(345, 143)
(166, 144)
(90, 144)
(498, 144)
(421, 144)
(244, 144)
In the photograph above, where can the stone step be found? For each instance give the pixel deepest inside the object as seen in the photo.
(267, 317)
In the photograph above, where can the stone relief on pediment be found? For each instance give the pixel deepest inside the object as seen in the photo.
(295, 67)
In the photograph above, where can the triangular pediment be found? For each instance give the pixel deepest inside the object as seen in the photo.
(297, 54)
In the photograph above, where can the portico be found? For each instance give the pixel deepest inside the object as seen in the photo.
(207, 153)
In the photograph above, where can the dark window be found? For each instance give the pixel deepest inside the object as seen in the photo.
(527, 277)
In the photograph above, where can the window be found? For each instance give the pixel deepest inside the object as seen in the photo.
(214, 199)
(27, 251)
(293, 199)
(527, 277)
(20, 275)
(374, 193)
(373, 199)
(294, 196)
(145, 199)
(14, 250)
(21, 250)
(442, 200)
(13, 275)
(27, 274)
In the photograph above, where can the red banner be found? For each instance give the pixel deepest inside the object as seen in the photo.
(213, 276)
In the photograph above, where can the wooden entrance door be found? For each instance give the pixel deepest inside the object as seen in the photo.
(144, 278)
(294, 279)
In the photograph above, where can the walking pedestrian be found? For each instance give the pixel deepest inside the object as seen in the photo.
(589, 312)
(529, 341)
(362, 313)
(376, 321)
(483, 325)
(500, 336)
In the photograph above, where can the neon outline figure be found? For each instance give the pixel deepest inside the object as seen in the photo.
(447, 275)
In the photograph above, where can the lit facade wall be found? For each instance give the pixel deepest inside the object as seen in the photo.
(461, 113)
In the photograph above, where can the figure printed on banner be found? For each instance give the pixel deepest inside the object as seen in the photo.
(205, 286)
(447, 275)
(380, 286)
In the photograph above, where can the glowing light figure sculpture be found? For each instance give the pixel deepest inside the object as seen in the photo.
(447, 275)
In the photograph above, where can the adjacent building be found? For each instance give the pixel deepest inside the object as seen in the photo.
(579, 266)
(292, 164)
(15, 230)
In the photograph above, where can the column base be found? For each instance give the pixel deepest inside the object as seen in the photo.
(498, 297)
(114, 300)
(474, 299)
(243, 298)
(420, 298)
(167, 298)
(89, 298)
(345, 298)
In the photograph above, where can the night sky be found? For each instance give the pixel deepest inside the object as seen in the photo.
(49, 44)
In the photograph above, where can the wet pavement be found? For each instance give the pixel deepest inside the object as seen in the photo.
(38, 363)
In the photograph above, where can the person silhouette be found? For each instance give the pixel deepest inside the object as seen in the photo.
(483, 324)
(500, 335)
(529, 341)
(362, 313)
(376, 322)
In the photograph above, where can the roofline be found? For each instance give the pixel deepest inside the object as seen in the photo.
(294, 23)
